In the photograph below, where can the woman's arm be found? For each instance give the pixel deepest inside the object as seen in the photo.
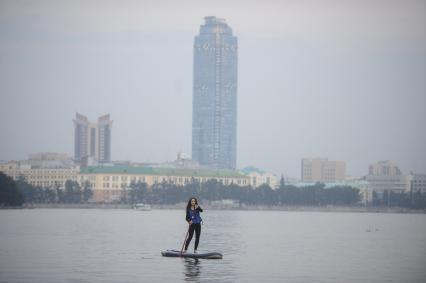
(199, 209)
(188, 217)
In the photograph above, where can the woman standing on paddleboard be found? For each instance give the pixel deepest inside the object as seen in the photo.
(194, 220)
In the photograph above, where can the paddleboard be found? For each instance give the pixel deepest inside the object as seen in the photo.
(207, 255)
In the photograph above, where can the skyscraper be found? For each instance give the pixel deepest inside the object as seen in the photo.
(214, 114)
(104, 138)
(92, 140)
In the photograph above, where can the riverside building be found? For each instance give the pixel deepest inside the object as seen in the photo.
(108, 183)
(47, 170)
(386, 176)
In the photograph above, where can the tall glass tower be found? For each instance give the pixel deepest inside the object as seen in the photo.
(214, 113)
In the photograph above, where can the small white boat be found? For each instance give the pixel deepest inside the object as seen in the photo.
(142, 206)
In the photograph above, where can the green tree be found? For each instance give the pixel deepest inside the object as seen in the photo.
(28, 191)
(9, 193)
(50, 195)
(87, 191)
(138, 192)
(72, 193)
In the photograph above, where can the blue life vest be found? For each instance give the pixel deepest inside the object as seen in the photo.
(195, 216)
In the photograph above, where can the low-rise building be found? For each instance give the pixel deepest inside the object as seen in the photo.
(48, 177)
(386, 176)
(418, 183)
(45, 169)
(259, 177)
(108, 182)
(10, 169)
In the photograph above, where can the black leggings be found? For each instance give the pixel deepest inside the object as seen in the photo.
(197, 228)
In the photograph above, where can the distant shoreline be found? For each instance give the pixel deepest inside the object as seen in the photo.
(224, 207)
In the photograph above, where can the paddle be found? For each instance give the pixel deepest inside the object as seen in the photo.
(184, 241)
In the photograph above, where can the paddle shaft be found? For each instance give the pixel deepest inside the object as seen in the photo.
(184, 241)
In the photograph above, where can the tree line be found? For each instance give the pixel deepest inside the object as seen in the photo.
(288, 195)
(212, 190)
(15, 193)
(414, 200)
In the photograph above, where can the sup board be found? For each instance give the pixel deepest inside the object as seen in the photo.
(207, 255)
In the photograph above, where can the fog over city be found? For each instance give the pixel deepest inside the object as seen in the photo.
(339, 79)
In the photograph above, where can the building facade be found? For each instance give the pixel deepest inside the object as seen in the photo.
(92, 140)
(322, 170)
(418, 183)
(47, 170)
(386, 176)
(259, 177)
(214, 119)
(109, 182)
(81, 137)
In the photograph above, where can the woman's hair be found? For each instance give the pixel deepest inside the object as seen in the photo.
(188, 206)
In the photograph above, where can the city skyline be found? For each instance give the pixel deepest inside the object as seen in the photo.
(316, 79)
(301, 123)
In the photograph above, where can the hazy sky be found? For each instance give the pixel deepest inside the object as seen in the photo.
(339, 79)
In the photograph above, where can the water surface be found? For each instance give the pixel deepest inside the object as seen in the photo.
(95, 245)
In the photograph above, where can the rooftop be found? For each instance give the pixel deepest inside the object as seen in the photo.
(214, 20)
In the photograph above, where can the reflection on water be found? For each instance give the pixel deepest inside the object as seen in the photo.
(192, 269)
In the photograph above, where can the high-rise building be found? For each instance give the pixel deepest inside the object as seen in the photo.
(104, 138)
(322, 170)
(81, 128)
(214, 119)
(92, 140)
